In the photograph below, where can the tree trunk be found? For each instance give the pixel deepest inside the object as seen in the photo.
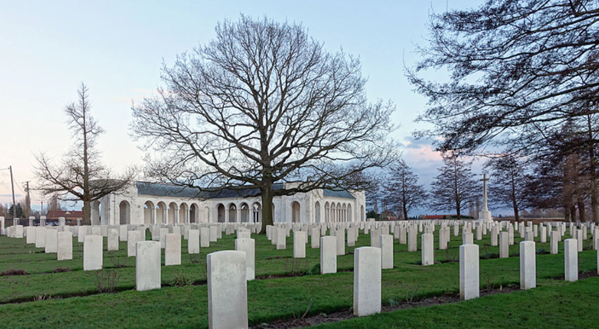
(267, 213)
(581, 210)
(567, 216)
(86, 213)
(573, 212)
(405, 212)
(516, 212)
(593, 172)
(458, 210)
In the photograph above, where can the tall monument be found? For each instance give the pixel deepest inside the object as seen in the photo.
(485, 215)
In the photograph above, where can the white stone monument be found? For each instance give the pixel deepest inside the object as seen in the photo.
(484, 215)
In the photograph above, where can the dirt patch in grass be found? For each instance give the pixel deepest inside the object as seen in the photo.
(348, 314)
(12, 272)
(581, 275)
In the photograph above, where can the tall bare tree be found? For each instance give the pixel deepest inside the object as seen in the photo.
(263, 103)
(455, 186)
(80, 176)
(402, 190)
(519, 70)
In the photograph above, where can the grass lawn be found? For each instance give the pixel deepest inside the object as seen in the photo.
(182, 302)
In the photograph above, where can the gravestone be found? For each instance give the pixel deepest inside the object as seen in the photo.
(571, 260)
(133, 237)
(113, 239)
(554, 238)
(469, 272)
(299, 244)
(328, 254)
(528, 267)
(412, 239)
(340, 235)
(92, 252)
(227, 289)
(65, 246)
(386, 251)
(204, 237)
(504, 246)
(51, 241)
(193, 241)
(367, 279)
(172, 250)
(249, 247)
(147, 265)
(428, 249)
(40, 237)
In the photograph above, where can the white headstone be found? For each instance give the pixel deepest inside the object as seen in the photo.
(249, 247)
(367, 280)
(65, 246)
(113, 239)
(133, 237)
(172, 250)
(147, 265)
(92, 253)
(193, 241)
(328, 254)
(299, 244)
(528, 266)
(386, 251)
(571, 259)
(51, 241)
(227, 289)
(428, 249)
(469, 272)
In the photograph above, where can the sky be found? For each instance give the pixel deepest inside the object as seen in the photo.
(117, 48)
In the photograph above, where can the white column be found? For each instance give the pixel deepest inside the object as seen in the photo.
(528, 266)
(227, 289)
(367, 281)
(469, 272)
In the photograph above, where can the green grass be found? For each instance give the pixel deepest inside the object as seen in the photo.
(269, 299)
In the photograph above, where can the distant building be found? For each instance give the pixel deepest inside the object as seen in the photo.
(155, 203)
(447, 217)
(70, 216)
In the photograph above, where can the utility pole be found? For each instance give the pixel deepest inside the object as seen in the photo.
(28, 200)
(14, 204)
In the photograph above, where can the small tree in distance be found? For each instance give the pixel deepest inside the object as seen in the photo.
(402, 190)
(80, 176)
(263, 103)
(455, 186)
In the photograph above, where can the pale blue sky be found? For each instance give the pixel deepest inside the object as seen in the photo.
(117, 47)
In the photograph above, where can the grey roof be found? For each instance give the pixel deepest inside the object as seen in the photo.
(159, 189)
(337, 194)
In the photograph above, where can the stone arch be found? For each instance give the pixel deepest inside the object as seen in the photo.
(184, 213)
(256, 212)
(161, 213)
(173, 212)
(193, 213)
(327, 212)
(96, 216)
(333, 212)
(338, 215)
(296, 216)
(344, 212)
(317, 212)
(244, 213)
(124, 212)
(362, 213)
(206, 215)
(149, 213)
(232, 213)
(220, 208)
(349, 214)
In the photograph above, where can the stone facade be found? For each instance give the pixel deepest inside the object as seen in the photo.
(152, 203)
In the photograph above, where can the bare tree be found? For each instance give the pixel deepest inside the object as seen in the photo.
(80, 176)
(263, 103)
(402, 190)
(455, 186)
(507, 186)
